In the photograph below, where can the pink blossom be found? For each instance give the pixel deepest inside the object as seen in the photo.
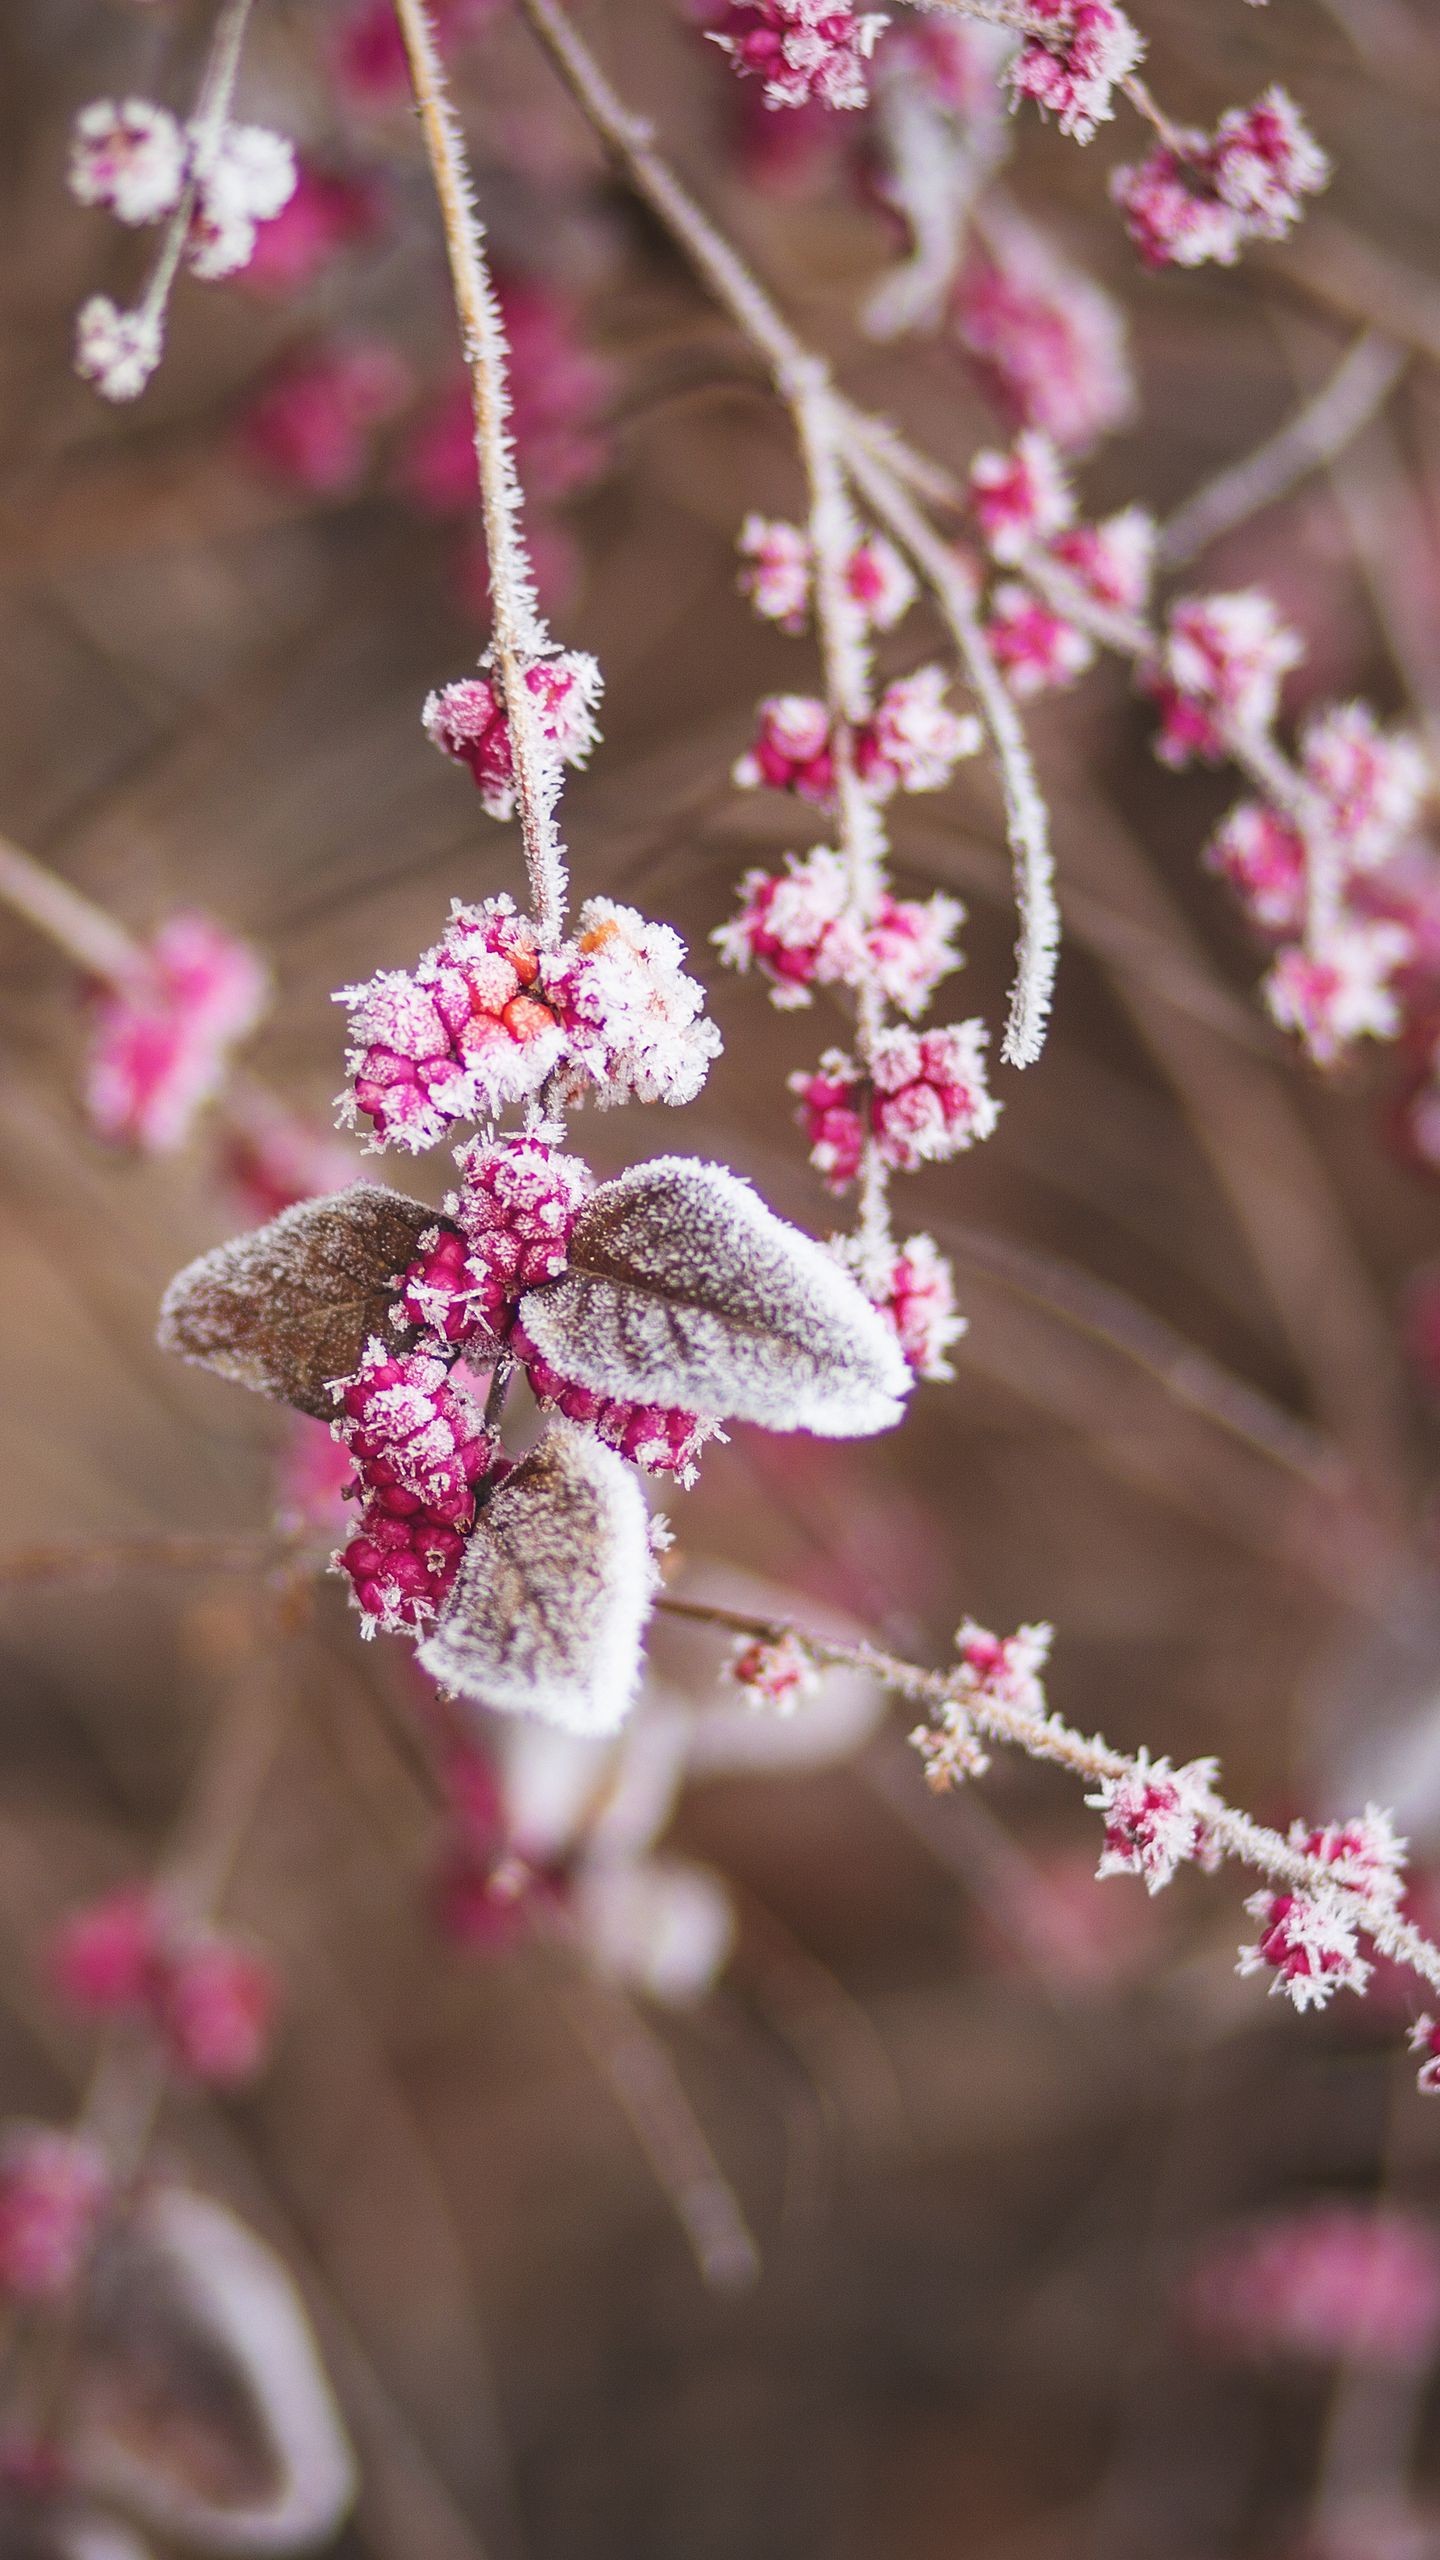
(516, 1207)
(53, 2191)
(801, 929)
(161, 1043)
(1221, 665)
(468, 721)
(247, 176)
(328, 210)
(1114, 561)
(311, 426)
(773, 1671)
(130, 158)
(216, 2010)
(914, 1288)
(913, 740)
(1344, 995)
(1263, 160)
(1310, 1941)
(420, 1451)
(116, 350)
(465, 1032)
(1170, 214)
(1020, 499)
(1366, 1847)
(1155, 1818)
(1263, 860)
(102, 1958)
(663, 1439)
(1372, 784)
(1048, 344)
(925, 1099)
(634, 1021)
(1036, 649)
(1072, 73)
(791, 750)
(802, 49)
(776, 574)
(1332, 2282)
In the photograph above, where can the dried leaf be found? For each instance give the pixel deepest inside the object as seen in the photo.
(684, 1289)
(201, 2407)
(291, 1306)
(553, 1592)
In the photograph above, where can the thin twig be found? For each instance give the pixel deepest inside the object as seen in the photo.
(519, 637)
(1314, 435)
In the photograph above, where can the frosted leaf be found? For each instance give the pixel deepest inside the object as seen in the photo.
(553, 1591)
(291, 1306)
(661, 1926)
(684, 1289)
(200, 2404)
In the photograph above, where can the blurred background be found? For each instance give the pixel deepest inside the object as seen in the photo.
(988, 2156)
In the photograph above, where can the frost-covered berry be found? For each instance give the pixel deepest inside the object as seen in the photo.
(776, 574)
(130, 158)
(1047, 342)
(1072, 69)
(1372, 783)
(1114, 561)
(1425, 2040)
(54, 2188)
(161, 1043)
(914, 1288)
(802, 50)
(791, 749)
(1367, 1847)
(116, 350)
(913, 740)
(216, 2009)
(879, 581)
(1310, 1942)
(800, 927)
(1036, 649)
(400, 1570)
(1171, 215)
(634, 1022)
(1263, 859)
(1263, 160)
(1329, 2282)
(1155, 1818)
(773, 1671)
(663, 1439)
(465, 1032)
(514, 1212)
(925, 1099)
(1221, 665)
(417, 1440)
(468, 721)
(312, 425)
(246, 176)
(1343, 994)
(1020, 499)
(102, 1958)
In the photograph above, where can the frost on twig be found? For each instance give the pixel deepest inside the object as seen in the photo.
(290, 1307)
(683, 1288)
(552, 1596)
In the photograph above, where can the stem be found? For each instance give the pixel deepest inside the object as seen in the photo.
(207, 126)
(84, 932)
(1048, 1737)
(1317, 432)
(519, 636)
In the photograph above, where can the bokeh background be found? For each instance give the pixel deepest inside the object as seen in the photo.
(982, 2117)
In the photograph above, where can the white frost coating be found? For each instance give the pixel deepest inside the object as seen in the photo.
(552, 1595)
(684, 1289)
(188, 2267)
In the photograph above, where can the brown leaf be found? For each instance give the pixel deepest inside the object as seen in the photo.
(553, 1591)
(201, 2407)
(684, 1289)
(291, 1306)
